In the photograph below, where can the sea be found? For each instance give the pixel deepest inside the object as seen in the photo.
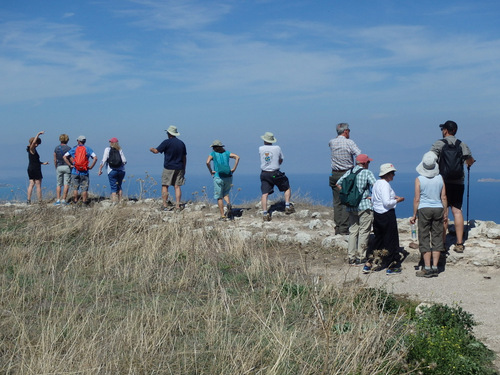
(481, 197)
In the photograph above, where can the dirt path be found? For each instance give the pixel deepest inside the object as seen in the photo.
(475, 289)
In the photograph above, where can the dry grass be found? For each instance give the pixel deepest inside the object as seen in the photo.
(120, 291)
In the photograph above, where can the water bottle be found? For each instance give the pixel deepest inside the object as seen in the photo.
(413, 232)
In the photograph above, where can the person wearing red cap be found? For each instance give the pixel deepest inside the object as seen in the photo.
(361, 217)
(114, 159)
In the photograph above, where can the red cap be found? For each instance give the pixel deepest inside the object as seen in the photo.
(363, 158)
(114, 140)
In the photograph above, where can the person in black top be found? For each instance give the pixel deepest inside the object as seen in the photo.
(35, 167)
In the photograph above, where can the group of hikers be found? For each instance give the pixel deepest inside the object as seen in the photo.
(439, 186)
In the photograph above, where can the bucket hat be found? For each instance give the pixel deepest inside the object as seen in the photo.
(428, 167)
(172, 130)
(269, 137)
(216, 143)
(386, 168)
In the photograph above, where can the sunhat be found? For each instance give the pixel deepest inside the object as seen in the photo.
(81, 138)
(386, 168)
(269, 137)
(363, 158)
(172, 130)
(428, 167)
(216, 143)
(114, 140)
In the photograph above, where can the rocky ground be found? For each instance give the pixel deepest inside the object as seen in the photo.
(470, 279)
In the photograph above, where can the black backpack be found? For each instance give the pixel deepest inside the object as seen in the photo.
(349, 194)
(114, 158)
(451, 161)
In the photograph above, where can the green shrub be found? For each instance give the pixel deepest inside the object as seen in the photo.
(443, 343)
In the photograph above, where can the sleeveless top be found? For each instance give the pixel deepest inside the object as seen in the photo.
(430, 191)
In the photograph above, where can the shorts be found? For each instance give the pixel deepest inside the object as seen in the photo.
(80, 181)
(63, 173)
(270, 179)
(171, 177)
(455, 195)
(222, 186)
(115, 178)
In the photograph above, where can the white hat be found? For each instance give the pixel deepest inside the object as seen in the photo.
(428, 167)
(269, 137)
(386, 168)
(172, 130)
(81, 138)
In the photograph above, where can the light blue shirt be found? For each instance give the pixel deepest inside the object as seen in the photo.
(430, 191)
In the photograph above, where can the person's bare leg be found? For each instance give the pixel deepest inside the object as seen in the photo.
(178, 196)
(164, 195)
(220, 203)
(58, 192)
(458, 218)
(263, 202)
(435, 258)
(38, 185)
(30, 189)
(288, 195)
(427, 259)
(85, 196)
(65, 192)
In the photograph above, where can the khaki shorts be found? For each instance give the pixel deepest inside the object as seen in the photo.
(171, 177)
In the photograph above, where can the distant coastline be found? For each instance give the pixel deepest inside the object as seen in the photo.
(488, 180)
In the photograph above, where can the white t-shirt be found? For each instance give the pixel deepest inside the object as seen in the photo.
(270, 156)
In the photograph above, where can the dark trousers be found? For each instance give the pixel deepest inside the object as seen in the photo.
(340, 215)
(385, 228)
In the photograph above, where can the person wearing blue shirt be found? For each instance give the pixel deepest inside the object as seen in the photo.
(80, 178)
(174, 166)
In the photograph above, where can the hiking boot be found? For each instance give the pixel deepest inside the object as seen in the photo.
(352, 261)
(290, 209)
(57, 203)
(367, 269)
(359, 262)
(266, 217)
(459, 248)
(393, 271)
(426, 273)
(222, 218)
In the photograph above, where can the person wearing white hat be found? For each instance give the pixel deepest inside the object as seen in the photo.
(428, 207)
(385, 226)
(271, 158)
(174, 166)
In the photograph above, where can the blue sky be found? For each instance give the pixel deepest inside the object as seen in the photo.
(232, 70)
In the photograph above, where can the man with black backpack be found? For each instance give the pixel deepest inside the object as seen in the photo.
(452, 154)
(355, 189)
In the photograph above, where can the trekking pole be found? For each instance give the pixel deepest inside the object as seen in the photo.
(468, 185)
